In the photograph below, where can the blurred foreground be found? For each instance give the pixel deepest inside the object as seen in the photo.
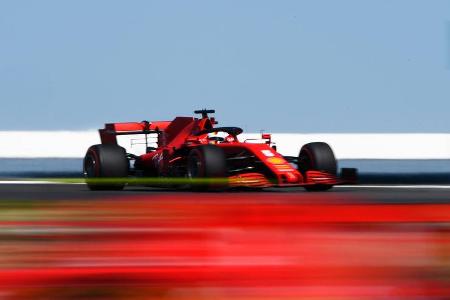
(224, 246)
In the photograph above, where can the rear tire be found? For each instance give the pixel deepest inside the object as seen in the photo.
(320, 157)
(105, 162)
(207, 163)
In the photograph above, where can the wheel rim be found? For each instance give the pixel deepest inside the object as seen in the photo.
(90, 165)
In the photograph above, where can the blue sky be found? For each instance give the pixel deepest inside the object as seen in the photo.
(282, 66)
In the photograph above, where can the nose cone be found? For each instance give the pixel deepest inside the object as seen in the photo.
(292, 177)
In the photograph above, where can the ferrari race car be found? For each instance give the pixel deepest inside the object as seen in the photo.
(192, 152)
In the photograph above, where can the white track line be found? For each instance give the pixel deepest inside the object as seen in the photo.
(35, 182)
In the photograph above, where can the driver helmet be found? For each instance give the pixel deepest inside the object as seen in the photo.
(217, 137)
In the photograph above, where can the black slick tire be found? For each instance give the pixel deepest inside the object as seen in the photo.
(207, 168)
(103, 162)
(320, 157)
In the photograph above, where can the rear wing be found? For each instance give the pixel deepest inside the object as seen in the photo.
(108, 135)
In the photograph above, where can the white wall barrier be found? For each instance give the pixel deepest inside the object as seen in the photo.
(40, 144)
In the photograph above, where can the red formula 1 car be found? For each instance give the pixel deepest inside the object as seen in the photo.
(193, 152)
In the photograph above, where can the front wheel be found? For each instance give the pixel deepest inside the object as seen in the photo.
(319, 157)
(105, 167)
(207, 168)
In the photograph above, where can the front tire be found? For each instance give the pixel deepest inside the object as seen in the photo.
(319, 157)
(103, 162)
(207, 168)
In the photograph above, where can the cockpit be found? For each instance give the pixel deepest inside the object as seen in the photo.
(220, 135)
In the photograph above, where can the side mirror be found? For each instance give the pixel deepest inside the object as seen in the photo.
(267, 136)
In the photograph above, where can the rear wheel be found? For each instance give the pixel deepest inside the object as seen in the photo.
(207, 168)
(319, 157)
(103, 162)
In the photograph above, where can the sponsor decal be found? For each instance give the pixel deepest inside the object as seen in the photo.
(157, 160)
(267, 153)
(284, 168)
(276, 161)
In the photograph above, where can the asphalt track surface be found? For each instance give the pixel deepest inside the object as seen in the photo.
(425, 194)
